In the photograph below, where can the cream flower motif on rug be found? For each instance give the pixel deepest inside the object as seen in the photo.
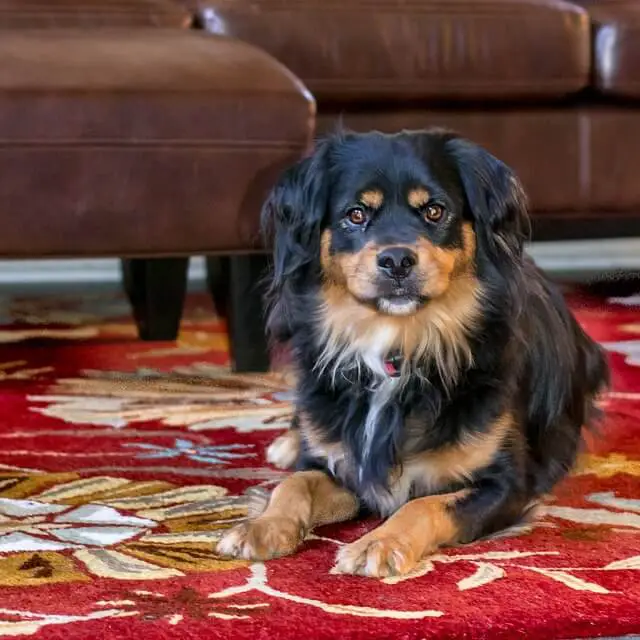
(19, 370)
(628, 301)
(113, 527)
(201, 397)
(607, 517)
(31, 525)
(629, 348)
(74, 310)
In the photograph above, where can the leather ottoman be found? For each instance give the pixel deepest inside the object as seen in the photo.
(148, 144)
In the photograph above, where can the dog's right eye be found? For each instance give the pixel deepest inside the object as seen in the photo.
(357, 216)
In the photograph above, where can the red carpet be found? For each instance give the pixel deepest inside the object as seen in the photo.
(120, 463)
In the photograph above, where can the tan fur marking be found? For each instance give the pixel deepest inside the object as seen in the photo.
(298, 504)
(325, 254)
(430, 471)
(418, 198)
(440, 266)
(469, 243)
(350, 271)
(438, 330)
(358, 271)
(397, 546)
(458, 462)
(437, 267)
(372, 198)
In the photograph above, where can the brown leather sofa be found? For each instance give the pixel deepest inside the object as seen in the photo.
(551, 87)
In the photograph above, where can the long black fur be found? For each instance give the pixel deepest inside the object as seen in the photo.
(529, 354)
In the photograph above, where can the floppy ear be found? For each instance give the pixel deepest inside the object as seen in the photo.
(291, 221)
(496, 199)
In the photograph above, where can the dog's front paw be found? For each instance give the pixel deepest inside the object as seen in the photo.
(377, 557)
(261, 539)
(284, 450)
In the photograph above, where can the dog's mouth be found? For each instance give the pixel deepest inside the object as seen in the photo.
(401, 301)
(399, 305)
(395, 301)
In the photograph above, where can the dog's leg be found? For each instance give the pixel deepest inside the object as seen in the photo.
(304, 500)
(422, 525)
(417, 529)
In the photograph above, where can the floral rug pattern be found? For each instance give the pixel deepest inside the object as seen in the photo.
(121, 462)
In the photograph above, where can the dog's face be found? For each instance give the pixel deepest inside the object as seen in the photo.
(394, 235)
(391, 223)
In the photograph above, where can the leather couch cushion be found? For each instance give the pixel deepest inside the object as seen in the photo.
(140, 142)
(364, 50)
(571, 161)
(616, 46)
(614, 141)
(91, 13)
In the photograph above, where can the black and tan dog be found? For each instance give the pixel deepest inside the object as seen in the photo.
(442, 381)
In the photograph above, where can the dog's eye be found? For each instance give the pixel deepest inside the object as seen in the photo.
(433, 212)
(357, 216)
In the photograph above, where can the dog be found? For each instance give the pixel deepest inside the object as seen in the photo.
(442, 382)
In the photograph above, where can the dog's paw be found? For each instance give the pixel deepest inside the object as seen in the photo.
(283, 451)
(261, 539)
(376, 557)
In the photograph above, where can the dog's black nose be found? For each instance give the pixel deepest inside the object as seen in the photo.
(397, 262)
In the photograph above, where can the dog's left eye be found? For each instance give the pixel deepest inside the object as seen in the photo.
(433, 212)
(357, 216)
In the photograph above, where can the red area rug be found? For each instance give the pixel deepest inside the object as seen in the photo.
(121, 462)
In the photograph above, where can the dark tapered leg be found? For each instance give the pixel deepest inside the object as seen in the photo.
(156, 288)
(218, 281)
(246, 316)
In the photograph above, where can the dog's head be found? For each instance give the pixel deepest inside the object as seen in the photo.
(392, 223)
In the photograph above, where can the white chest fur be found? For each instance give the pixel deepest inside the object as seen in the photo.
(380, 396)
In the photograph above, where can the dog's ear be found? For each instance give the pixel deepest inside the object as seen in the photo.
(292, 217)
(496, 199)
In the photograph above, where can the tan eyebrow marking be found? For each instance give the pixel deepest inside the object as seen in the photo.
(372, 198)
(418, 197)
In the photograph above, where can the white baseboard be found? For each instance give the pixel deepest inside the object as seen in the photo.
(105, 271)
(587, 255)
(554, 257)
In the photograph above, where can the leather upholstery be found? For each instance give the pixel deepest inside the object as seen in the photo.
(614, 144)
(142, 142)
(514, 75)
(543, 146)
(16, 14)
(571, 161)
(165, 141)
(616, 33)
(398, 50)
